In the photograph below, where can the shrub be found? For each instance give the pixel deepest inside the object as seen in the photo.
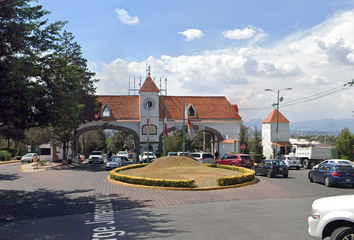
(257, 157)
(247, 176)
(5, 155)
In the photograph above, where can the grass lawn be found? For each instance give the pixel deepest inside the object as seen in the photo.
(181, 168)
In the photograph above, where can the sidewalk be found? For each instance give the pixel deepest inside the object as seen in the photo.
(33, 167)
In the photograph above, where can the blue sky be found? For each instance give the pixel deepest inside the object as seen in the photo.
(230, 48)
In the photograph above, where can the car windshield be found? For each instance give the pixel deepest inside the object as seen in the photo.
(114, 159)
(96, 153)
(277, 163)
(246, 158)
(344, 162)
(343, 168)
(208, 156)
(293, 158)
(29, 155)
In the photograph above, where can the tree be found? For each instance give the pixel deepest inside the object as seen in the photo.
(70, 89)
(24, 41)
(37, 136)
(243, 137)
(256, 141)
(344, 144)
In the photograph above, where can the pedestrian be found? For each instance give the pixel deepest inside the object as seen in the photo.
(109, 155)
(216, 154)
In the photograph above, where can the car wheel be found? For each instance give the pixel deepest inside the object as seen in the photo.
(310, 177)
(233, 164)
(269, 174)
(343, 233)
(297, 168)
(217, 163)
(305, 164)
(285, 175)
(327, 182)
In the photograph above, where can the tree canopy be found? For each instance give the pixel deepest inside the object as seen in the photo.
(43, 77)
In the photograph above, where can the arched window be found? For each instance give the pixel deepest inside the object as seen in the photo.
(191, 111)
(106, 111)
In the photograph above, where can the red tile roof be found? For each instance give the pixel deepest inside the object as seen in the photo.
(122, 107)
(149, 86)
(207, 108)
(272, 118)
(283, 144)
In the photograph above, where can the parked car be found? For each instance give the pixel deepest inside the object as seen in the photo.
(332, 174)
(339, 161)
(291, 161)
(115, 162)
(271, 168)
(332, 217)
(29, 157)
(183, 154)
(240, 160)
(172, 154)
(144, 156)
(203, 157)
(96, 156)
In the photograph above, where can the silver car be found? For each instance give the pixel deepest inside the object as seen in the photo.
(203, 157)
(116, 162)
(29, 157)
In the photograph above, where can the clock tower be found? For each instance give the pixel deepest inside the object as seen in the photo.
(149, 101)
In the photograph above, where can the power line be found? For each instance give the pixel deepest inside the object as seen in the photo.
(307, 99)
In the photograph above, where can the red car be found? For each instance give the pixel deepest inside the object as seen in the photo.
(239, 160)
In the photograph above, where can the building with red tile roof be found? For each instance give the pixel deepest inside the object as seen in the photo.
(270, 138)
(213, 114)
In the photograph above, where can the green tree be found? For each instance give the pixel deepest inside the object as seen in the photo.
(256, 141)
(25, 38)
(37, 136)
(73, 97)
(244, 137)
(344, 144)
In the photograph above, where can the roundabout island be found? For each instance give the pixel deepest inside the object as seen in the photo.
(182, 173)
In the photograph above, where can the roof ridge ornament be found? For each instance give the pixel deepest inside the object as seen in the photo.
(148, 71)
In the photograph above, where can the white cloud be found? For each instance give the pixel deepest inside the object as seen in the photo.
(192, 34)
(238, 34)
(125, 18)
(311, 61)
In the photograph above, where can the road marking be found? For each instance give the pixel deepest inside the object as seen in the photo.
(104, 215)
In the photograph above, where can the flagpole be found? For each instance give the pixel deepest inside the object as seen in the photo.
(183, 128)
(148, 133)
(163, 129)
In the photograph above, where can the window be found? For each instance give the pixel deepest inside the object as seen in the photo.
(106, 111)
(191, 111)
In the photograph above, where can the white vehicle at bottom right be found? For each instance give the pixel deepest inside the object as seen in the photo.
(332, 217)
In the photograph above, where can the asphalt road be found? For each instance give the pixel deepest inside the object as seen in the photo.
(79, 203)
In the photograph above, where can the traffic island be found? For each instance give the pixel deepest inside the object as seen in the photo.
(182, 173)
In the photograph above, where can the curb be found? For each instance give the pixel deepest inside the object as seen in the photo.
(12, 161)
(183, 189)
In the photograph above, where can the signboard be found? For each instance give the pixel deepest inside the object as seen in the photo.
(243, 146)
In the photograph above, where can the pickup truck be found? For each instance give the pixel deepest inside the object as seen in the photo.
(332, 217)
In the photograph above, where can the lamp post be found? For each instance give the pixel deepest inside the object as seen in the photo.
(276, 129)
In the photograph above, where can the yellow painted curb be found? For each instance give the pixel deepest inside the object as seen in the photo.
(183, 189)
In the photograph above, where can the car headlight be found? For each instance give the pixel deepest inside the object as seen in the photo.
(315, 214)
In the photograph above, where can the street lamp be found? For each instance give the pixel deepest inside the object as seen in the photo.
(277, 104)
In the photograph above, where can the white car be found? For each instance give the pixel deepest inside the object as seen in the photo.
(144, 156)
(291, 161)
(96, 156)
(203, 157)
(340, 161)
(29, 158)
(332, 217)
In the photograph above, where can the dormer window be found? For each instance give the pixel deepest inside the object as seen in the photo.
(106, 111)
(191, 111)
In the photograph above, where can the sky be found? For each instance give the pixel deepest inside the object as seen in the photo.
(230, 48)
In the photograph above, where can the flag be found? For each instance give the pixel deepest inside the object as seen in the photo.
(190, 126)
(164, 118)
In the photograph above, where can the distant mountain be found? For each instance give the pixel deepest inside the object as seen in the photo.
(319, 126)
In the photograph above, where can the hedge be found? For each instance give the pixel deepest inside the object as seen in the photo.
(115, 175)
(5, 155)
(246, 176)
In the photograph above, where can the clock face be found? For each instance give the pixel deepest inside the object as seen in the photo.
(149, 102)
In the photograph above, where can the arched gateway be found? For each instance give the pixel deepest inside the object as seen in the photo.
(212, 114)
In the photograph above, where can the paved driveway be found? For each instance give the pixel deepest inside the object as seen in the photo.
(72, 191)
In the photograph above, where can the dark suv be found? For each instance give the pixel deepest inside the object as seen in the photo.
(239, 160)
